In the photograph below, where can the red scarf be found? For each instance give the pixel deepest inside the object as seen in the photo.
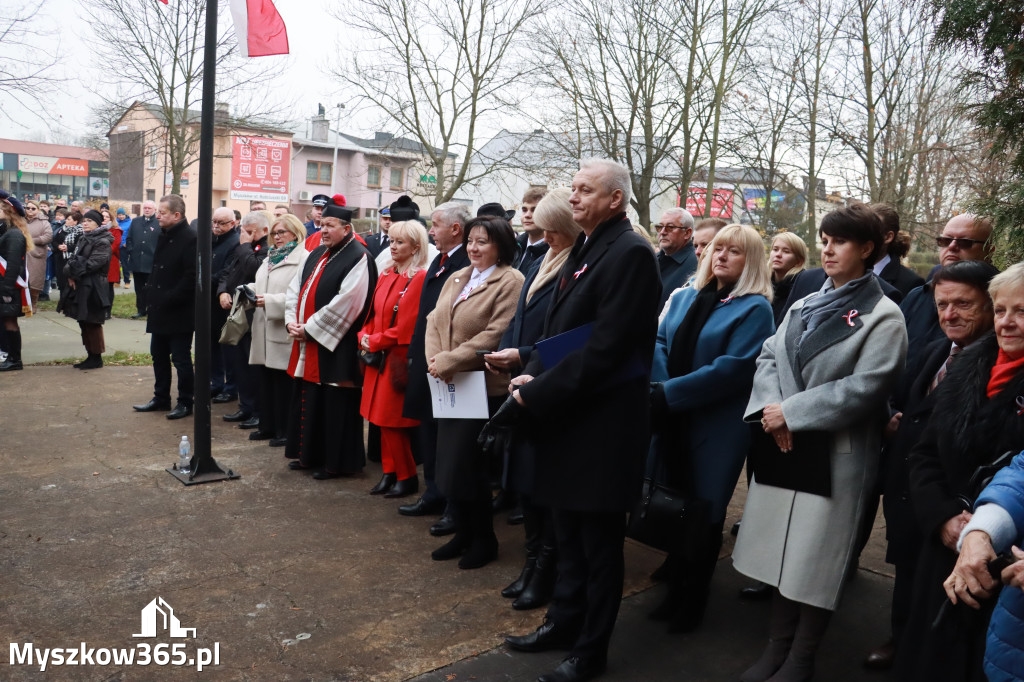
(302, 314)
(1004, 370)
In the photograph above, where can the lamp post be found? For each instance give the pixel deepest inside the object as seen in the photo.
(334, 164)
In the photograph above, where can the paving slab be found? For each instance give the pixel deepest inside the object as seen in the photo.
(291, 578)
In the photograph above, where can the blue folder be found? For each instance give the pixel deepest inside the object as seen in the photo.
(553, 350)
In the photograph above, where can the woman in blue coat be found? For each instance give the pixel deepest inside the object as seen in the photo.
(704, 363)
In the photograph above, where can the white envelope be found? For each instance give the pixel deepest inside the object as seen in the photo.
(464, 398)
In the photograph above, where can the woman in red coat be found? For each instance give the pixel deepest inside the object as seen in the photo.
(114, 274)
(396, 302)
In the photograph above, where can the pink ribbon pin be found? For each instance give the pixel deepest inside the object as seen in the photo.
(849, 317)
(727, 299)
(579, 272)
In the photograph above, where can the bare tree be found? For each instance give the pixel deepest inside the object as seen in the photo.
(158, 59)
(437, 71)
(27, 57)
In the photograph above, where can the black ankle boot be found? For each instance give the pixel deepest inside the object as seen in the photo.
(13, 361)
(94, 361)
(541, 586)
(519, 584)
(385, 484)
(459, 543)
(483, 547)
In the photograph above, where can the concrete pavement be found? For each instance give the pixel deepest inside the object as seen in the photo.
(296, 579)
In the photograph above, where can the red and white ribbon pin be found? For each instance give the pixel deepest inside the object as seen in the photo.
(849, 317)
(576, 275)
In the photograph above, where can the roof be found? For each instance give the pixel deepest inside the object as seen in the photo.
(194, 117)
(45, 149)
(388, 143)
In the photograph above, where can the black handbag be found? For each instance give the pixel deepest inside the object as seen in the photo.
(378, 357)
(665, 517)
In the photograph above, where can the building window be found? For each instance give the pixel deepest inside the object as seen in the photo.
(373, 176)
(370, 213)
(318, 172)
(150, 195)
(396, 178)
(152, 157)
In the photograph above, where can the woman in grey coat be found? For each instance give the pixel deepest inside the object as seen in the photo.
(827, 370)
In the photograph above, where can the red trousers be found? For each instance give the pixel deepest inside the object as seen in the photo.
(396, 452)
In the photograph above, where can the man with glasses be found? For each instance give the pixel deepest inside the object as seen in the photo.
(225, 240)
(965, 237)
(676, 257)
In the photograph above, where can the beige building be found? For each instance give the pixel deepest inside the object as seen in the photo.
(140, 168)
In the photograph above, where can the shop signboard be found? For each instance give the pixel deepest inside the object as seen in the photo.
(260, 168)
(51, 165)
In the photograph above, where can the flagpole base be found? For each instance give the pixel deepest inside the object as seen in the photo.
(205, 470)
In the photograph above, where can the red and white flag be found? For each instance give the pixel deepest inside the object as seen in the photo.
(259, 26)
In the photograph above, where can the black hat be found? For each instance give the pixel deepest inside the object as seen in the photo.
(336, 208)
(13, 201)
(495, 209)
(94, 215)
(321, 200)
(105, 205)
(404, 209)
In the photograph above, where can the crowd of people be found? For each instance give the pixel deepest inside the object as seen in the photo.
(677, 365)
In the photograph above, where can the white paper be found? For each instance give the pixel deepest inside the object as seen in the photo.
(464, 398)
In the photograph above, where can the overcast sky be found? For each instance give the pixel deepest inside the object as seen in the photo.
(68, 105)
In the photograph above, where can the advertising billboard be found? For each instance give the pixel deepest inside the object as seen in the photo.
(260, 168)
(51, 165)
(721, 202)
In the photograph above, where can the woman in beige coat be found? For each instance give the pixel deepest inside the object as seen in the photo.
(271, 345)
(473, 310)
(42, 234)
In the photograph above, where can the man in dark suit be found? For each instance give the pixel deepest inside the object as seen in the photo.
(965, 315)
(171, 314)
(590, 417)
(139, 245)
(313, 225)
(677, 260)
(447, 222)
(965, 237)
(376, 243)
(530, 245)
(888, 267)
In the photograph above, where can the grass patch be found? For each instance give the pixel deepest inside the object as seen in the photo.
(124, 305)
(116, 359)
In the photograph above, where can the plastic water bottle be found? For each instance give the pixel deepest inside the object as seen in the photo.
(184, 451)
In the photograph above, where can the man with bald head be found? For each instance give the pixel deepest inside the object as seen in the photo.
(139, 246)
(225, 239)
(965, 237)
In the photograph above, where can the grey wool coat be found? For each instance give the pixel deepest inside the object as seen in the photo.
(801, 543)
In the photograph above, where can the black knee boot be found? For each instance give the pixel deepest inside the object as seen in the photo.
(13, 361)
(483, 546)
(693, 600)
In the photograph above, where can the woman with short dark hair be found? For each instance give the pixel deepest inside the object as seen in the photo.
(89, 295)
(474, 308)
(821, 386)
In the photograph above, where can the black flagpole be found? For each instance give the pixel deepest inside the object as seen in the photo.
(204, 469)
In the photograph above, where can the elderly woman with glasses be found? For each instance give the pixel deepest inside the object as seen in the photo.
(271, 344)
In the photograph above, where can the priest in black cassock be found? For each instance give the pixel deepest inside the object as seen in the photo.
(326, 305)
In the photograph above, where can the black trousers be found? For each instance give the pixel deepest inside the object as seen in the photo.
(425, 448)
(276, 389)
(140, 292)
(245, 375)
(177, 349)
(591, 570)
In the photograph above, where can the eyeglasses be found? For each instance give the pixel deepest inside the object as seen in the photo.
(223, 222)
(962, 243)
(281, 233)
(31, 208)
(659, 227)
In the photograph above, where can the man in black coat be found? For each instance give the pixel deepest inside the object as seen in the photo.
(965, 237)
(589, 417)
(225, 239)
(139, 247)
(961, 296)
(530, 245)
(241, 269)
(677, 259)
(171, 299)
(446, 230)
(376, 243)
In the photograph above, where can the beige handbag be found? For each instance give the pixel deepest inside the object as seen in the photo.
(238, 322)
